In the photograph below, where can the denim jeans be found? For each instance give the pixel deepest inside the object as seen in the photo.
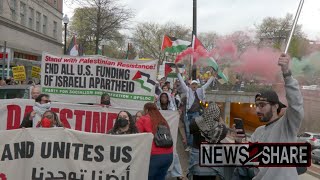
(176, 170)
(159, 165)
(187, 122)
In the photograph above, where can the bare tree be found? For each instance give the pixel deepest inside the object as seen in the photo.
(99, 20)
(242, 40)
(208, 39)
(275, 31)
(148, 36)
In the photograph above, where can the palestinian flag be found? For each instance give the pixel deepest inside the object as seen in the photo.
(73, 47)
(222, 78)
(170, 69)
(174, 45)
(196, 43)
(210, 61)
(145, 81)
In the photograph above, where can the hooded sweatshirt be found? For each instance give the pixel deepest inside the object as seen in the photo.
(171, 102)
(283, 130)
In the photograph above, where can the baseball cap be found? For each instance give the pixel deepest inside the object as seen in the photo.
(194, 81)
(269, 96)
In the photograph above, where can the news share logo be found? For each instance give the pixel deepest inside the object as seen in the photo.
(3, 176)
(256, 154)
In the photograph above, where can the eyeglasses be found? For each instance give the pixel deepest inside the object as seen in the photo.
(261, 104)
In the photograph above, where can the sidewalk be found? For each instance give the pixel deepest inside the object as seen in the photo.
(314, 170)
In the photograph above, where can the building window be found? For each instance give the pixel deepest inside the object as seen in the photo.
(13, 9)
(22, 13)
(55, 29)
(31, 17)
(44, 25)
(38, 21)
(24, 56)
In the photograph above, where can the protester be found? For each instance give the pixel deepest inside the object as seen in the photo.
(206, 128)
(165, 89)
(30, 82)
(194, 96)
(41, 106)
(278, 129)
(167, 83)
(176, 96)
(162, 81)
(2, 83)
(50, 119)
(9, 81)
(165, 102)
(124, 124)
(161, 158)
(105, 99)
(176, 170)
(157, 89)
(35, 92)
(138, 115)
(182, 112)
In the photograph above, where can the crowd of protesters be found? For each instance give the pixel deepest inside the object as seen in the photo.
(199, 121)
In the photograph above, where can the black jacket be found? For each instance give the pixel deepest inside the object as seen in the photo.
(197, 137)
(26, 122)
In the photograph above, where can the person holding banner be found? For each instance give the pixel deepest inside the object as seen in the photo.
(105, 99)
(161, 157)
(50, 119)
(41, 106)
(124, 124)
(35, 92)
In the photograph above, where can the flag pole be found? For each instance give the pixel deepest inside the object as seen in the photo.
(191, 58)
(294, 25)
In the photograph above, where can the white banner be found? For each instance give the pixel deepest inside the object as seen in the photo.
(96, 119)
(57, 153)
(84, 79)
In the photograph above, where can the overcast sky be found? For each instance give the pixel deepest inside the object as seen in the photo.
(222, 16)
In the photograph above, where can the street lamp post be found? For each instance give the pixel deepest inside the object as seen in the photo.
(65, 21)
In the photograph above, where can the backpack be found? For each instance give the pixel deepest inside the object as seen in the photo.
(162, 138)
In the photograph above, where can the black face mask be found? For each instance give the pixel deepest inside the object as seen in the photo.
(122, 122)
(107, 102)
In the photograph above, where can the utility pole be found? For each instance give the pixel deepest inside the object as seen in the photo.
(194, 27)
(193, 68)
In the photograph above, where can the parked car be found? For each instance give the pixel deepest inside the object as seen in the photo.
(315, 156)
(15, 91)
(312, 138)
